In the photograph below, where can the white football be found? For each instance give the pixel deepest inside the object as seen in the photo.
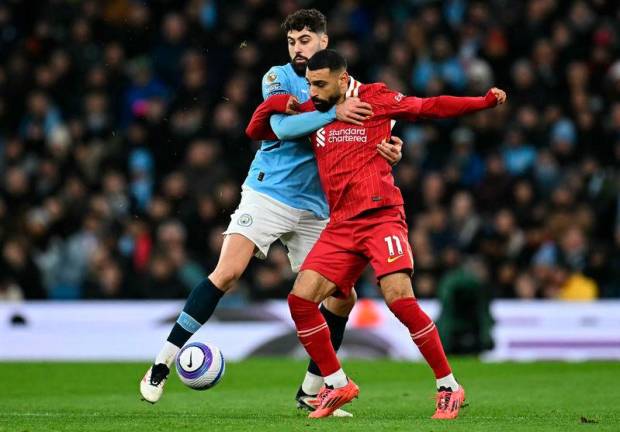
(200, 366)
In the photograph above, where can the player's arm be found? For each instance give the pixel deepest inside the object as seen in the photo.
(410, 107)
(352, 110)
(454, 106)
(259, 127)
(287, 127)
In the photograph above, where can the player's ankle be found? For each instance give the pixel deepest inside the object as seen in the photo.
(167, 354)
(337, 379)
(448, 381)
(312, 384)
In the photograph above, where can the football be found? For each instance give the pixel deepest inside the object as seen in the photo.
(200, 366)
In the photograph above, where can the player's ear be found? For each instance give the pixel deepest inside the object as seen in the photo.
(344, 79)
(323, 41)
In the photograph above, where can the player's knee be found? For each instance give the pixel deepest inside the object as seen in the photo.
(225, 276)
(396, 286)
(310, 286)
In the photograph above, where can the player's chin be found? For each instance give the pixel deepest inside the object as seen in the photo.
(299, 67)
(322, 106)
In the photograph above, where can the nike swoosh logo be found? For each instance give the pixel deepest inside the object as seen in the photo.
(190, 360)
(392, 259)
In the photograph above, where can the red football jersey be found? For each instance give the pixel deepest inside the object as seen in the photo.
(354, 176)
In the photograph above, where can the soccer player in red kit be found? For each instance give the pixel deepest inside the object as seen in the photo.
(367, 221)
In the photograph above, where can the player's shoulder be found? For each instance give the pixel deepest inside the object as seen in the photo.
(276, 74)
(377, 91)
(276, 81)
(373, 88)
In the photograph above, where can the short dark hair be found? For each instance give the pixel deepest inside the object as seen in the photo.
(327, 58)
(311, 18)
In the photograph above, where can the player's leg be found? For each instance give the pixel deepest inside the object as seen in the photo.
(392, 259)
(256, 224)
(236, 253)
(331, 268)
(237, 250)
(398, 293)
(310, 289)
(334, 310)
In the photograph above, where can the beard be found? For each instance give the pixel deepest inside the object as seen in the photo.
(324, 105)
(299, 64)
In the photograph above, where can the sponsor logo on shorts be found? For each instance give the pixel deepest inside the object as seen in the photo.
(394, 258)
(245, 220)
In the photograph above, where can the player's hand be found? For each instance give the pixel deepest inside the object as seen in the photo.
(292, 106)
(391, 150)
(353, 111)
(499, 94)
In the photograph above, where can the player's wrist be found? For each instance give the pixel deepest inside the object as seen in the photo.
(490, 99)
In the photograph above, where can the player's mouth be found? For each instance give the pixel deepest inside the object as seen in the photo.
(300, 59)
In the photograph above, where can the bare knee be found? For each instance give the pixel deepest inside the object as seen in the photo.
(396, 286)
(235, 255)
(225, 275)
(312, 286)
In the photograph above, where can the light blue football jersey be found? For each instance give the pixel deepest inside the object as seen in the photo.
(286, 170)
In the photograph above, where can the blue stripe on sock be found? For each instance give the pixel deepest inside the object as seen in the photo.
(188, 323)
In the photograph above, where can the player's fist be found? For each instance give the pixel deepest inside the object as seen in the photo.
(292, 106)
(354, 111)
(499, 94)
(391, 150)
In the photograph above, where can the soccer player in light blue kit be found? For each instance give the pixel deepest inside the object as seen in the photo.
(281, 199)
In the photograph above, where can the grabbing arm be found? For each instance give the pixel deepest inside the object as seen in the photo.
(269, 122)
(287, 127)
(259, 127)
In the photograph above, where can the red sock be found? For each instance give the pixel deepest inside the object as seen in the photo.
(424, 334)
(314, 334)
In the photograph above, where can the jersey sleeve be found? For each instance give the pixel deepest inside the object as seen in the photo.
(395, 105)
(259, 127)
(391, 104)
(288, 127)
(275, 82)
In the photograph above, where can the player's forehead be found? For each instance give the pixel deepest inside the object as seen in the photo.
(301, 34)
(318, 75)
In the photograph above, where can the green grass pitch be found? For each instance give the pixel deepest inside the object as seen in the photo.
(256, 395)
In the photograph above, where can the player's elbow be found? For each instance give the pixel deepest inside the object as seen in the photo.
(252, 133)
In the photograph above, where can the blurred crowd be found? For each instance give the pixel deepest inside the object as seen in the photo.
(122, 146)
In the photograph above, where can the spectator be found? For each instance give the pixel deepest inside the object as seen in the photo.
(122, 145)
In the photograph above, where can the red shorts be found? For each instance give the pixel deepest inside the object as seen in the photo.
(343, 250)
